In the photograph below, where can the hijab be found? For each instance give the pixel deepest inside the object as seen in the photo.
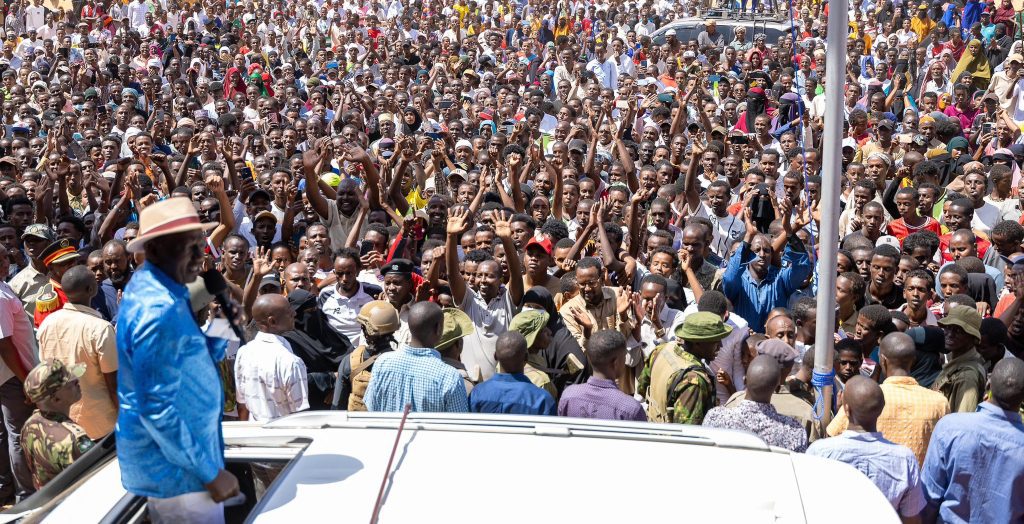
(540, 295)
(976, 65)
(756, 102)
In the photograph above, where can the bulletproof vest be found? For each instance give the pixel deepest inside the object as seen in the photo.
(359, 377)
(668, 369)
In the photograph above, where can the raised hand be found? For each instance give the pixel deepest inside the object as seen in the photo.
(215, 184)
(458, 221)
(502, 224)
(623, 299)
(581, 318)
(262, 265)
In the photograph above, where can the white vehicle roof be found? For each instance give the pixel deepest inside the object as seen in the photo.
(496, 469)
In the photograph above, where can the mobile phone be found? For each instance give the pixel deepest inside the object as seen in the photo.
(445, 104)
(739, 140)
(509, 129)
(246, 172)
(365, 247)
(987, 128)
(665, 98)
(643, 63)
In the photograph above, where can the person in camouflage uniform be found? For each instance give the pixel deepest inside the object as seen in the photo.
(50, 440)
(678, 385)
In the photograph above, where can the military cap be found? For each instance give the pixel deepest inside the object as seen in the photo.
(39, 231)
(59, 251)
(703, 326)
(457, 324)
(398, 265)
(529, 323)
(966, 317)
(49, 377)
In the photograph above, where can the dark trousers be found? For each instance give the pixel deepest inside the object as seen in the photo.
(15, 477)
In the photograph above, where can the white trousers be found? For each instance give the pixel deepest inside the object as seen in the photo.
(197, 507)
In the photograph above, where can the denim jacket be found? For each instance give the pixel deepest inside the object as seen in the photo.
(169, 439)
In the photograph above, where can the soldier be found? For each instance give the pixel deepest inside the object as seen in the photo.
(379, 322)
(533, 325)
(50, 440)
(678, 384)
(58, 257)
(457, 325)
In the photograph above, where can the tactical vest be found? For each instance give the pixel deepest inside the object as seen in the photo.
(359, 377)
(666, 372)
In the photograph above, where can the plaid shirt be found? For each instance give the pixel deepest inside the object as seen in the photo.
(909, 415)
(415, 376)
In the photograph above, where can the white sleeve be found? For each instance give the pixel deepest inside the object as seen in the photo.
(296, 386)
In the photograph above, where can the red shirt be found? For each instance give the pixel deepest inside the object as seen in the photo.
(899, 228)
(983, 246)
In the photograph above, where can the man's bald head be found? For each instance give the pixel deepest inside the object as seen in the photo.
(296, 276)
(898, 351)
(273, 314)
(510, 351)
(79, 284)
(426, 322)
(1007, 381)
(763, 375)
(864, 401)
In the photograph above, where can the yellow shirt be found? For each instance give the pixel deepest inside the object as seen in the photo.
(909, 416)
(921, 27)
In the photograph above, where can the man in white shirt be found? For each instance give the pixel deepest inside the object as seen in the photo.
(136, 12)
(341, 302)
(18, 354)
(35, 16)
(270, 379)
(658, 322)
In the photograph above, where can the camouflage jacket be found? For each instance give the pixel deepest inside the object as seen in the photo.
(51, 442)
(692, 395)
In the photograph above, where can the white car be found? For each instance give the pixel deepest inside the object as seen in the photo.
(687, 29)
(494, 469)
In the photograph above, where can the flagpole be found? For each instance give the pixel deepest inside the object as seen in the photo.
(832, 172)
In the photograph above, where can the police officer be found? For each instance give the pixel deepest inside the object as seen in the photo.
(677, 382)
(457, 325)
(58, 257)
(50, 440)
(379, 322)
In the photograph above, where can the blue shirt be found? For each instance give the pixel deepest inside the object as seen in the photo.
(415, 376)
(753, 300)
(511, 393)
(974, 469)
(169, 440)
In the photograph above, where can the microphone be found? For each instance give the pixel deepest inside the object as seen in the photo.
(218, 287)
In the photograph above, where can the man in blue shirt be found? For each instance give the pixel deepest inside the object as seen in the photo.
(759, 287)
(169, 442)
(974, 469)
(511, 391)
(416, 375)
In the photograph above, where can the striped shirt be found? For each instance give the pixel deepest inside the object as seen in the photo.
(909, 416)
(415, 376)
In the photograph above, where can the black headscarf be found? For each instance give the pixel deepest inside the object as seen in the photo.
(756, 101)
(556, 355)
(541, 296)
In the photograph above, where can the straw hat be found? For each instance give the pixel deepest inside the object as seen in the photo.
(174, 215)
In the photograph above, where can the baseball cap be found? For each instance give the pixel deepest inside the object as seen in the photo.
(1015, 57)
(529, 324)
(260, 193)
(577, 145)
(966, 317)
(886, 123)
(271, 279)
(49, 377)
(264, 214)
(544, 244)
(39, 231)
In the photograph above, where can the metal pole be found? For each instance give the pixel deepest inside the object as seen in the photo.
(832, 172)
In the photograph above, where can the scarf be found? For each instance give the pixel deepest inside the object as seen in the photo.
(977, 66)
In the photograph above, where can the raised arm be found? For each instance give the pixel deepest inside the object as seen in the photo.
(503, 229)
(690, 182)
(310, 160)
(458, 222)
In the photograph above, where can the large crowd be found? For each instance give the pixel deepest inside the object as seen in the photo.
(238, 212)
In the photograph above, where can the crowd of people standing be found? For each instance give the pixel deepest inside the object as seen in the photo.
(241, 211)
